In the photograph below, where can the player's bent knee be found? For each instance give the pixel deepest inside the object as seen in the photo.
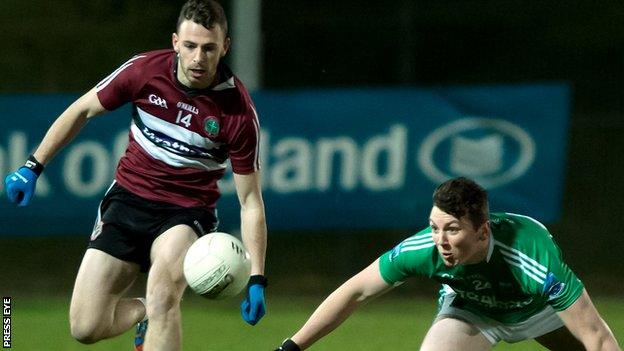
(85, 332)
(82, 328)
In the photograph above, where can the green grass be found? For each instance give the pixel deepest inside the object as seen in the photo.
(386, 324)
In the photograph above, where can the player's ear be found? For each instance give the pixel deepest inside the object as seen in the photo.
(226, 46)
(174, 42)
(484, 231)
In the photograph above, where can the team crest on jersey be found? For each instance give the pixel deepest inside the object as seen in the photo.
(211, 126)
(553, 287)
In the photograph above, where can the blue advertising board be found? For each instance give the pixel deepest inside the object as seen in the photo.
(339, 158)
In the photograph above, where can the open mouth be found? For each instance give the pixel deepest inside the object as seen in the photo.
(196, 72)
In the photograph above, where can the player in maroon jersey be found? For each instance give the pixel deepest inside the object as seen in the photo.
(192, 115)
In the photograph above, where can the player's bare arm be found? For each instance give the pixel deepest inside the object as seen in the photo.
(254, 234)
(20, 185)
(67, 125)
(339, 305)
(583, 320)
(253, 223)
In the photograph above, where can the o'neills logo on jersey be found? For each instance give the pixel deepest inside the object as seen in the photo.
(211, 126)
(187, 107)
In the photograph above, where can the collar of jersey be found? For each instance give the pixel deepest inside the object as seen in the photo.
(490, 248)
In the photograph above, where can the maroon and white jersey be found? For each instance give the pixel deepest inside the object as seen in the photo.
(180, 138)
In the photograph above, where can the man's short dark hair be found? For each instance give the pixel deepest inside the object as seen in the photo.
(463, 197)
(208, 13)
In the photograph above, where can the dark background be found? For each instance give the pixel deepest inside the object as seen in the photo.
(69, 45)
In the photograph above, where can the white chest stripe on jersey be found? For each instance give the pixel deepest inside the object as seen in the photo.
(178, 133)
(175, 131)
(522, 256)
(526, 270)
(527, 264)
(179, 147)
(171, 158)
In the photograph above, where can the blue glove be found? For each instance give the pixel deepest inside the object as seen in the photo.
(20, 185)
(253, 306)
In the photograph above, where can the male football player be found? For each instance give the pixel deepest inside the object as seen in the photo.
(191, 115)
(502, 276)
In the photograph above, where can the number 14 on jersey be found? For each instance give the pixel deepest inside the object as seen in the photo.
(186, 120)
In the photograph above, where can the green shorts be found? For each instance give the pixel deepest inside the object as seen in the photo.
(537, 325)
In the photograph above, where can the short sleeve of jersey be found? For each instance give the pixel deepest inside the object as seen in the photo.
(561, 286)
(122, 85)
(244, 147)
(410, 257)
(541, 265)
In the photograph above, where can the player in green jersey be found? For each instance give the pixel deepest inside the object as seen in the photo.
(502, 276)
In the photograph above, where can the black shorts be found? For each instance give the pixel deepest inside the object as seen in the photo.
(128, 224)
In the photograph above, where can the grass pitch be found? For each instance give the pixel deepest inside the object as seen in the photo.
(388, 323)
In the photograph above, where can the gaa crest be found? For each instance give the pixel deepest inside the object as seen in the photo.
(211, 126)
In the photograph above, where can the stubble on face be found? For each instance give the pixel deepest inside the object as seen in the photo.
(199, 51)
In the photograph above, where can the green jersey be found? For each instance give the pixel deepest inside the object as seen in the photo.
(522, 274)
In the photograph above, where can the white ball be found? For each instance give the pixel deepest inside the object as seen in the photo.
(217, 266)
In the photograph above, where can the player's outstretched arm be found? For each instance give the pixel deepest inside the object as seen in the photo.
(340, 304)
(20, 185)
(254, 235)
(67, 125)
(583, 320)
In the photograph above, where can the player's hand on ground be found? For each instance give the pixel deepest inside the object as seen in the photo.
(253, 306)
(288, 345)
(20, 186)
